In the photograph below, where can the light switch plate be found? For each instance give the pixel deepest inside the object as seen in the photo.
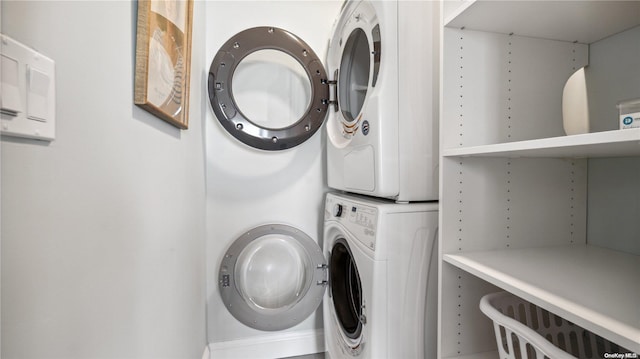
(28, 96)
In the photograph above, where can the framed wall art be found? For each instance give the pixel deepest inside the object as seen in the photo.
(163, 58)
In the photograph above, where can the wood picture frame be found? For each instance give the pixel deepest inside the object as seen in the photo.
(163, 59)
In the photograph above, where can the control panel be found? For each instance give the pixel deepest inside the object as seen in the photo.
(359, 219)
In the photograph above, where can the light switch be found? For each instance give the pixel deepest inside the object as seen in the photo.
(28, 96)
(10, 103)
(37, 94)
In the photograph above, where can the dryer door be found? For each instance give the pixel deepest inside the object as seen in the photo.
(272, 277)
(289, 106)
(295, 92)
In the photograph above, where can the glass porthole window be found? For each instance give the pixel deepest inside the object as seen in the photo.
(272, 277)
(271, 89)
(354, 74)
(272, 272)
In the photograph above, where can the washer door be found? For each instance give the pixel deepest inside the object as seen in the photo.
(346, 294)
(272, 277)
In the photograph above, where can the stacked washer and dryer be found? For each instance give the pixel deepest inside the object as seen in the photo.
(383, 143)
(376, 273)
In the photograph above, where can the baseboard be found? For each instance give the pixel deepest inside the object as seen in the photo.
(270, 346)
(206, 354)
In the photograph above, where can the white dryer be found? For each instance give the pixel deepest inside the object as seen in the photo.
(377, 91)
(376, 275)
(382, 263)
(384, 140)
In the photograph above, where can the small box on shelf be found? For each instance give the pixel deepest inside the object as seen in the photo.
(629, 113)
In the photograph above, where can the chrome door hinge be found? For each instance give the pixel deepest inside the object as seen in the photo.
(334, 83)
(325, 277)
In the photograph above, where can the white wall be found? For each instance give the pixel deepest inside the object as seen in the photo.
(248, 187)
(103, 229)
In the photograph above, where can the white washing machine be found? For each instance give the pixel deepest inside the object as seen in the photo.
(382, 264)
(376, 275)
(377, 90)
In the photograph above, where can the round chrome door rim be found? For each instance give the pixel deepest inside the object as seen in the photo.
(221, 88)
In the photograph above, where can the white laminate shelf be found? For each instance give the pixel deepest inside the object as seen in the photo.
(596, 288)
(580, 21)
(618, 143)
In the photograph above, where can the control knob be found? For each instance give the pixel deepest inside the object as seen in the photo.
(337, 210)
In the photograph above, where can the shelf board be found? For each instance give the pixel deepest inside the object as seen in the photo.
(593, 287)
(582, 21)
(618, 143)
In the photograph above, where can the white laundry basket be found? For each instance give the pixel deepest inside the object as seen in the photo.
(525, 331)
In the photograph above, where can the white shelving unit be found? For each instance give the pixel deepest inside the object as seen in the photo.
(515, 190)
(580, 283)
(600, 144)
(582, 21)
